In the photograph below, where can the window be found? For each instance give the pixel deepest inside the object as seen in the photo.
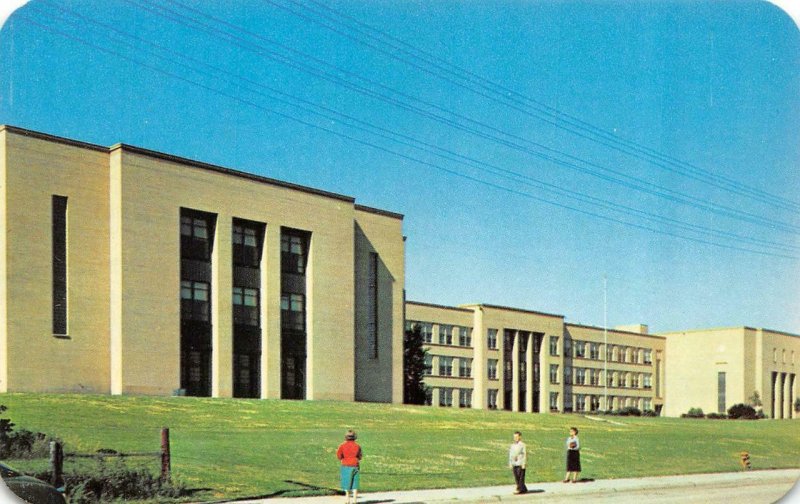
(465, 368)
(491, 368)
(294, 251)
(554, 345)
(567, 347)
(465, 336)
(465, 398)
(491, 401)
(580, 349)
(594, 377)
(245, 306)
(647, 380)
(567, 402)
(610, 378)
(194, 300)
(580, 402)
(635, 356)
(428, 364)
(491, 339)
(634, 380)
(567, 375)
(196, 235)
(580, 376)
(247, 239)
(445, 366)
(59, 258)
(623, 353)
(594, 351)
(428, 396)
(594, 403)
(372, 307)
(427, 331)
(553, 401)
(610, 352)
(648, 356)
(553, 373)
(293, 311)
(622, 380)
(647, 404)
(445, 397)
(445, 334)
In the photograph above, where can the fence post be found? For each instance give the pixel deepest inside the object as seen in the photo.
(56, 464)
(165, 459)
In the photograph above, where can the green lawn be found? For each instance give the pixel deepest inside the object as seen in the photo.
(241, 448)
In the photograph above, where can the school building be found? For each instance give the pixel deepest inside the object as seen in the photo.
(129, 271)
(495, 357)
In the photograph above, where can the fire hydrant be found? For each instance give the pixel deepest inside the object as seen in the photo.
(744, 459)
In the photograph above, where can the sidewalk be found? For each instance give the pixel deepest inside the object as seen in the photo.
(694, 483)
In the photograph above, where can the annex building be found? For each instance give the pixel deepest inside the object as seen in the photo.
(129, 271)
(495, 357)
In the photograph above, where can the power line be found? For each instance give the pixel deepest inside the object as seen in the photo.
(390, 151)
(534, 108)
(629, 181)
(416, 143)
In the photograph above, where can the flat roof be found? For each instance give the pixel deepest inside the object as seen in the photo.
(431, 305)
(194, 163)
(732, 328)
(609, 329)
(518, 310)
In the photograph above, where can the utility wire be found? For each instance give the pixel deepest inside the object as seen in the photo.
(629, 182)
(28, 20)
(334, 115)
(502, 94)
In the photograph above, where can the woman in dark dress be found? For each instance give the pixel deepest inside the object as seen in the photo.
(573, 456)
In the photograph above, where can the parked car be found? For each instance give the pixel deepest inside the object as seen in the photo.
(32, 490)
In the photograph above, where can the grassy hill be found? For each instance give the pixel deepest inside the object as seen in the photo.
(238, 448)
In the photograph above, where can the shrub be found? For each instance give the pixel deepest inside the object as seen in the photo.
(717, 416)
(116, 481)
(630, 411)
(22, 444)
(743, 411)
(649, 413)
(694, 413)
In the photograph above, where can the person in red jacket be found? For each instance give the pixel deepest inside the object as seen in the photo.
(349, 453)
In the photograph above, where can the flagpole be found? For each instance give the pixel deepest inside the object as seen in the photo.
(605, 341)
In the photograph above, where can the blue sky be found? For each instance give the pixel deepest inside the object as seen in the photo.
(614, 101)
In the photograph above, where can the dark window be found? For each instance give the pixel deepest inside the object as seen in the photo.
(372, 307)
(245, 306)
(194, 301)
(59, 233)
(721, 392)
(248, 239)
(294, 252)
(293, 312)
(197, 231)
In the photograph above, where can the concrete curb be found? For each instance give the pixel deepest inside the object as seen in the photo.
(537, 491)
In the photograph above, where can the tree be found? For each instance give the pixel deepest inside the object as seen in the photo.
(413, 366)
(755, 400)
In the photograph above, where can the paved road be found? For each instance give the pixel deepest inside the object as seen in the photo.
(753, 487)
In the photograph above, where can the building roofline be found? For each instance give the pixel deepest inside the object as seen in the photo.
(52, 138)
(616, 331)
(519, 310)
(431, 305)
(185, 161)
(731, 328)
(227, 171)
(378, 211)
